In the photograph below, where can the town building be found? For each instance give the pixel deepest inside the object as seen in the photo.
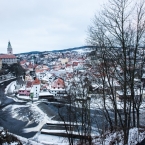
(30, 89)
(58, 89)
(36, 88)
(24, 92)
(64, 61)
(8, 58)
(58, 84)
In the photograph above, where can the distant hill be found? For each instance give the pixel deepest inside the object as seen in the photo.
(73, 49)
(55, 51)
(31, 52)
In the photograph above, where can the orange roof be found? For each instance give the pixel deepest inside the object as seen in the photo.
(67, 65)
(58, 83)
(23, 62)
(7, 56)
(39, 71)
(36, 81)
(75, 63)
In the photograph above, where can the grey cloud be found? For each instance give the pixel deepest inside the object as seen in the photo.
(45, 24)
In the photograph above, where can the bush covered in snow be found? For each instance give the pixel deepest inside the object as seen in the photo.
(7, 138)
(135, 136)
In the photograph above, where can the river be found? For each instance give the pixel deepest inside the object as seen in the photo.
(8, 118)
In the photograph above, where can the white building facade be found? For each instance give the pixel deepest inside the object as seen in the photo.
(8, 59)
(36, 88)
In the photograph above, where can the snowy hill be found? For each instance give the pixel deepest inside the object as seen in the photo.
(62, 50)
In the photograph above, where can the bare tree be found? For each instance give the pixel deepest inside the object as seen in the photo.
(118, 32)
(77, 117)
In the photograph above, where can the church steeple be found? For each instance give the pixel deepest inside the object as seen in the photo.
(9, 49)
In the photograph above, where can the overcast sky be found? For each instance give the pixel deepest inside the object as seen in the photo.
(42, 25)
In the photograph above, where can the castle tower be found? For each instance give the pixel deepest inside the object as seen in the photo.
(9, 49)
(36, 88)
(32, 61)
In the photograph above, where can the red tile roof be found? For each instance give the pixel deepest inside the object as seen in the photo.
(58, 83)
(36, 81)
(75, 63)
(7, 56)
(40, 71)
(22, 62)
(68, 65)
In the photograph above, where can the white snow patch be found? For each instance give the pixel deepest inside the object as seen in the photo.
(50, 139)
(117, 137)
(39, 117)
(10, 88)
(13, 107)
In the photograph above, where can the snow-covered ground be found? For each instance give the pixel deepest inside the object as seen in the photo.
(10, 88)
(82, 50)
(97, 103)
(39, 116)
(135, 135)
(23, 140)
(31, 113)
(50, 139)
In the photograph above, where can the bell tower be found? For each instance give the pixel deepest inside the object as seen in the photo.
(9, 49)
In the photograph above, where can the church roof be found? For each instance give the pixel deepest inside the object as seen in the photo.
(7, 56)
(36, 82)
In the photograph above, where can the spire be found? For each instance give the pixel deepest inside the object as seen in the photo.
(9, 49)
(9, 45)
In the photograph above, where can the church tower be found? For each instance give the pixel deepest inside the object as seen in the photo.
(9, 49)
